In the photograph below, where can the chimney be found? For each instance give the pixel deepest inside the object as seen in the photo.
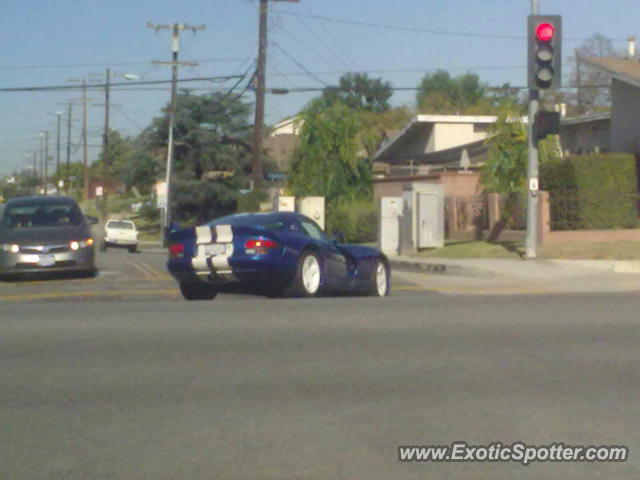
(631, 47)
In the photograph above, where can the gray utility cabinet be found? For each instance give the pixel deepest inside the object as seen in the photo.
(424, 204)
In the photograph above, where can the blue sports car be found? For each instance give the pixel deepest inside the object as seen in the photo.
(275, 253)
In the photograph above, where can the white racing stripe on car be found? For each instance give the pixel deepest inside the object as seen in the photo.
(224, 234)
(205, 235)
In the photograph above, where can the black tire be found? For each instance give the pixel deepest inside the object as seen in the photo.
(297, 287)
(133, 249)
(373, 290)
(198, 291)
(103, 247)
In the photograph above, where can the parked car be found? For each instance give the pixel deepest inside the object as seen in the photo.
(120, 233)
(45, 234)
(279, 253)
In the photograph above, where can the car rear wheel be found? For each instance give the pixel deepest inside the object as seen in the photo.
(308, 276)
(133, 248)
(379, 284)
(103, 247)
(197, 291)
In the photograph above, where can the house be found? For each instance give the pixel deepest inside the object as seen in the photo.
(443, 149)
(624, 133)
(585, 134)
(288, 126)
(280, 148)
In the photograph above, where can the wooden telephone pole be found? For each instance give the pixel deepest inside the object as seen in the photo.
(175, 48)
(258, 129)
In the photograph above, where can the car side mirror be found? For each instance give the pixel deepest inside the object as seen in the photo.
(338, 237)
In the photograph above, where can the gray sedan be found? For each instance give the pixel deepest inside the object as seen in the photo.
(45, 234)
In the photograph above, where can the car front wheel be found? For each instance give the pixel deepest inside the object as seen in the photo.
(197, 291)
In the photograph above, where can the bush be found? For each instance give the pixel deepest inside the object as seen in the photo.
(250, 202)
(358, 221)
(149, 212)
(592, 191)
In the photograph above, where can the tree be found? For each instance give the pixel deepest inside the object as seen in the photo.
(439, 93)
(505, 171)
(326, 162)
(212, 154)
(373, 126)
(358, 91)
(592, 99)
(71, 175)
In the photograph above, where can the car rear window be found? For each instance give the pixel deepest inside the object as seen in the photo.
(266, 221)
(39, 215)
(120, 225)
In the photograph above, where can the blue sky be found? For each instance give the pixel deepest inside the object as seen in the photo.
(49, 42)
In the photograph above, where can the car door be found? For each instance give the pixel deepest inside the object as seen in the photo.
(336, 261)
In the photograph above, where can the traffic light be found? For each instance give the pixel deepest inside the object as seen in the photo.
(545, 51)
(546, 123)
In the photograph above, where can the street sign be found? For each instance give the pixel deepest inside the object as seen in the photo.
(99, 191)
(533, 184)
(161, 194)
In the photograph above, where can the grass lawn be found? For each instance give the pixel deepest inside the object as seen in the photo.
(575, 251)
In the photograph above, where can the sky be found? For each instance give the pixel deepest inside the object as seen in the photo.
(311, 43)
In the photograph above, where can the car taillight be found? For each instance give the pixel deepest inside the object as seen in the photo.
(176, 250)
(259, 246)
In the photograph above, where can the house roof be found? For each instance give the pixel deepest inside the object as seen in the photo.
(477, 152)
(595, 117)
(623, 69)
(420, 121)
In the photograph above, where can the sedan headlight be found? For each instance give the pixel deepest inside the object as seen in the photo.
(10, 247)
(81, 244)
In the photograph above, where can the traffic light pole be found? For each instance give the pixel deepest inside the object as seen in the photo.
(531, 243)
(532, 181)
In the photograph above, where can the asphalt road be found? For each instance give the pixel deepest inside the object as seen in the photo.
(254, 388)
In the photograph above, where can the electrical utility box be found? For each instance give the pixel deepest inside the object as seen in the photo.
(424, 203)
(312, 207)
(284, 204)
(389, 212)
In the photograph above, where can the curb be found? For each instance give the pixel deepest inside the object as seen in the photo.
(419, 267)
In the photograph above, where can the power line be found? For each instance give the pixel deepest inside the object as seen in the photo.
(305, 69)
(112, 64)
(102, 85)
(421, 30)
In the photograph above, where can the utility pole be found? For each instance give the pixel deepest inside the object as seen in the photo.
(67, 178)
(46, 160)
(578, 83)
(531, 242)
(175, 48)
(258, 128)
(41, 170)
(85, 158)
(59, 114)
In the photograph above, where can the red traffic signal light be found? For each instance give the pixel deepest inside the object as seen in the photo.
(544, 32)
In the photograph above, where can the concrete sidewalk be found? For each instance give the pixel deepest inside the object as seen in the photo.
(504, 276)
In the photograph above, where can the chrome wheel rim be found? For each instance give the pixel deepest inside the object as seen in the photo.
(311, 274)
(381, 279)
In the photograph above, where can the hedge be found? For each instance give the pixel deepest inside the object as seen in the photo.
(597, 191)
(357, 221)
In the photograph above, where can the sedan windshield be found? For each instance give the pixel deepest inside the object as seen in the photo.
(39, 215)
